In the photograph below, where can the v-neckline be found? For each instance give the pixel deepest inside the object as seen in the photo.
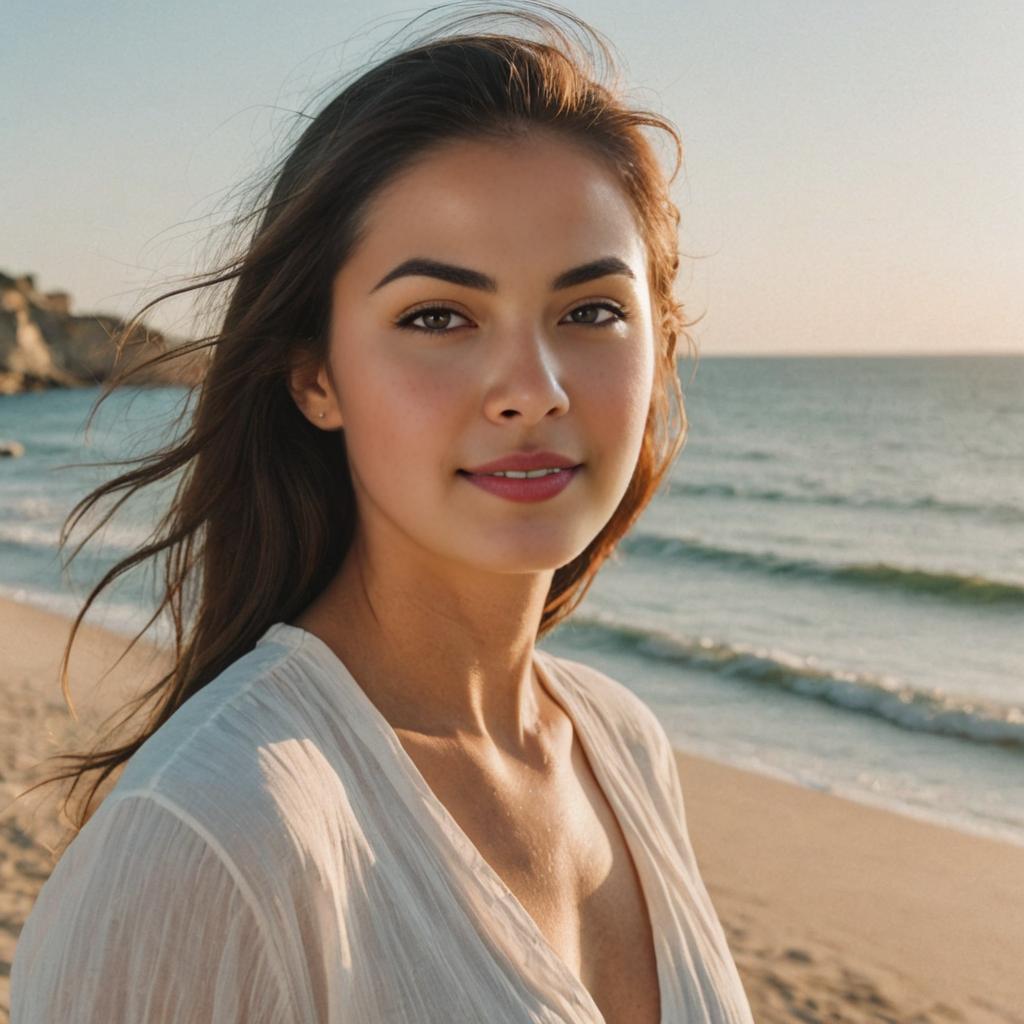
(469, 850)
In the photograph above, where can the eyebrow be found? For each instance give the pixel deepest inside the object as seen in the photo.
(420, 266)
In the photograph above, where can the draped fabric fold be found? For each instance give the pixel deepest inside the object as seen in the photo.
(271, 854)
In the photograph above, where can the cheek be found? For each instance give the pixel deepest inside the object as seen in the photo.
(397, 416)
(618, 390)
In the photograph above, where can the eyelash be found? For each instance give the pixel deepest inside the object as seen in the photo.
(621, 313)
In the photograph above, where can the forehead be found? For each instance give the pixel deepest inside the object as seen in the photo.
(545, 200)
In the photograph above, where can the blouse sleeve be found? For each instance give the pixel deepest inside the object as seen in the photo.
(143, 919)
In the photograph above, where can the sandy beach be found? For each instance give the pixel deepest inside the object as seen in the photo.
(835, 912)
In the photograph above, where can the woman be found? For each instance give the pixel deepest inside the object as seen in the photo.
(366, 795)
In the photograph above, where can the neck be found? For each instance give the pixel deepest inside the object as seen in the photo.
(445, 661)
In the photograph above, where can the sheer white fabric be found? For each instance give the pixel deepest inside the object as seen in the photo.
(272, 854)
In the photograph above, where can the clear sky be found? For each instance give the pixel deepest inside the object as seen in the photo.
(854, 177)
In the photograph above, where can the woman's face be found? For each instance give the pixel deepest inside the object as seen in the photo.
(520, 366)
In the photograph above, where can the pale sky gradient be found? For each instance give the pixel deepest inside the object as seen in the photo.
(854, 178)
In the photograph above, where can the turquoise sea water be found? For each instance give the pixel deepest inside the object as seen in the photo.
(829, 590)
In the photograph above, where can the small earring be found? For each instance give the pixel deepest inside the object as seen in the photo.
(321, 415)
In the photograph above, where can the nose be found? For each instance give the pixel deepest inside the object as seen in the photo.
(525, 381)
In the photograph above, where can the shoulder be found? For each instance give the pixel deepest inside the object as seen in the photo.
(238, 760)
(624, 717)
(228, 718)
(628, 730)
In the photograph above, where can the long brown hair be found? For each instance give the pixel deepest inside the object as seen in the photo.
(264, 511)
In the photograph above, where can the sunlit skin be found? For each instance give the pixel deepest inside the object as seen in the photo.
(436, 608)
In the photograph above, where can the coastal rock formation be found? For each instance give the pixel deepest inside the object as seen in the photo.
(44, 345)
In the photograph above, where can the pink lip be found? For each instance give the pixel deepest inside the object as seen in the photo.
(525, 461)
(539, 488)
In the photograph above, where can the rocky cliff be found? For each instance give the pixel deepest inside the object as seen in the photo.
(44, 345)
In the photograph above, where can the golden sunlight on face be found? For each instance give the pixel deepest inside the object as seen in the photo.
(478, 372)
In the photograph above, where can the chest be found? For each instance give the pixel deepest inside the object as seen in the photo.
(560, 851)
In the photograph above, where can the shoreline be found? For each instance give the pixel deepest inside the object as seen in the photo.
(834, 910)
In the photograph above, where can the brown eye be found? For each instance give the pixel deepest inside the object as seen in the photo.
(436, 319)
(617, 312)
(435, 316)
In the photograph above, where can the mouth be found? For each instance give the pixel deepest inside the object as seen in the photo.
(466, 472)
(524, 488)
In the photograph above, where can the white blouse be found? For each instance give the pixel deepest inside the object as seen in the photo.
(272, 854)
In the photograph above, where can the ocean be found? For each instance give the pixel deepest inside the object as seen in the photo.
(829, 589)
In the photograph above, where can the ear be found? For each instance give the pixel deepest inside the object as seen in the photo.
(312, 390)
